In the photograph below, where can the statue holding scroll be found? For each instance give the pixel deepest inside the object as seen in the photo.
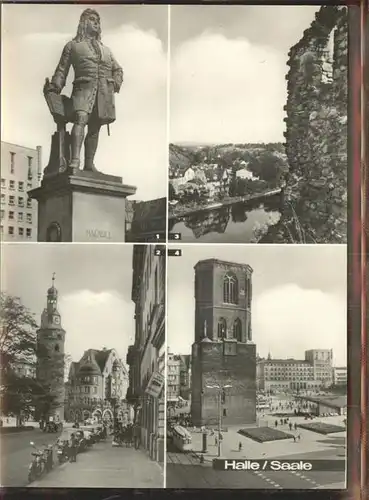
(97, 77)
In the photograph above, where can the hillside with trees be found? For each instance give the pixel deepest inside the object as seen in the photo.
(267, 162)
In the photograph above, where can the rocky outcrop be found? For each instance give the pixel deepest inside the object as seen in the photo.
(316, 131)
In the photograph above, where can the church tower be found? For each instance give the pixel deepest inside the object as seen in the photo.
(223, 354)
(50, 356)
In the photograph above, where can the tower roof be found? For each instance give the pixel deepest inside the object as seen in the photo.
(88, 364)
(52, 290)
(217, 262)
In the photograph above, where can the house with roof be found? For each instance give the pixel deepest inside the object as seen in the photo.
(97, 386)
(217, 179)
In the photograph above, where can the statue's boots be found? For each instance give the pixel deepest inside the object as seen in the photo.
(91, 142)
(77, 136)
(89, 166)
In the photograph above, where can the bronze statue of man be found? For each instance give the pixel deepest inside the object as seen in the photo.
(97, 77)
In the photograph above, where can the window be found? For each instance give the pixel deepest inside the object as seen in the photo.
(230, 289)
(28, 232)
(20, 217)
(3, 183)
(20, 231)
(2, 199)
(20, 186)
(10, 230)
(20, 201)
(2, 214)
(222, 328)
(249, 292)
(11, 200)
(12, 185)
(156, 285)
(11, 215)
(224, 412)
(29, 218)
(2, 229)
(29, 167)
(12, 162)
(29, 185)
(237, 330)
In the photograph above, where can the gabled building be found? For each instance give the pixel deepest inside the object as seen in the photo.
(97, 386)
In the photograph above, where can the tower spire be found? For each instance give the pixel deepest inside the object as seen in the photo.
(53, 279)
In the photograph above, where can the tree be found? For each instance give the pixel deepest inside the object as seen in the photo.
(172, 192)
(17, 333)
(17, 350)
(267, 166)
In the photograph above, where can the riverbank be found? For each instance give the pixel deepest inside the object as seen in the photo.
(175, 213)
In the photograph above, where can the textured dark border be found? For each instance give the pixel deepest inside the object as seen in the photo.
(365, 246)
(354, 259)
(357, 327)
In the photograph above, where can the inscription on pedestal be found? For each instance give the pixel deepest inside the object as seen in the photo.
(98, 234)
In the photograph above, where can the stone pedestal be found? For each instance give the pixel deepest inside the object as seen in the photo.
(81, 206)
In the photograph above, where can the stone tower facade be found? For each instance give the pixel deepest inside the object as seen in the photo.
(50, 357)
(223, 354)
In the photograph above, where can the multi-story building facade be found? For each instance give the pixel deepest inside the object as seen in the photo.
(97, 387)
(312, 373)
(223, 376)
(322, 361)
(340, 375)
(173, 377)
(185, 376)
(146, 358)
(20, 172)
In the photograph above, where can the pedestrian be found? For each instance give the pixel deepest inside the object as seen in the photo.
(73, 448)
(294, 439)
(295, 426)
(290, 426)
(299, 437)
(239, 446)
(276, 423)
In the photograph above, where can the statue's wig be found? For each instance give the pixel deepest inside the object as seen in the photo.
(82, 26)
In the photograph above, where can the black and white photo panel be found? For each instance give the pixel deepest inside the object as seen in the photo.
(258, 124)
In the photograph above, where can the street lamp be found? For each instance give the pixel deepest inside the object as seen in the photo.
(220, 389)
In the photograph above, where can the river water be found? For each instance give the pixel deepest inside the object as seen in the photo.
(239, 223)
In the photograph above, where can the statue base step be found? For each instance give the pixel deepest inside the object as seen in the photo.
(81, 206)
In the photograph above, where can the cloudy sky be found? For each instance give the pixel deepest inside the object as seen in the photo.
(94, 298)
(228, 67)
(299, 297)
(33, 37)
